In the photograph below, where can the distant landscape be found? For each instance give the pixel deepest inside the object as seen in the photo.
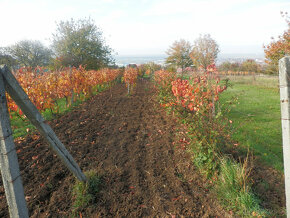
(124, 60)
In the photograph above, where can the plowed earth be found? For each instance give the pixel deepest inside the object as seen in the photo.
(132, 144)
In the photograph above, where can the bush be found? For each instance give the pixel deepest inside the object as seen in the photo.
(85, 193)
(196, 103)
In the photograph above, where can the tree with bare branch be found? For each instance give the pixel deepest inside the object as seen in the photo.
(178, 54)
(204, 51)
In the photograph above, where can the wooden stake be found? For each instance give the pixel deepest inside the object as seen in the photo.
(284, 79)
(28, 108)
(9, 162)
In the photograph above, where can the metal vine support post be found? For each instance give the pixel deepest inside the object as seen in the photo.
(284, 80)
(8, 159)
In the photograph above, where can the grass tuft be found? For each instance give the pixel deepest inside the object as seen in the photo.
(85, 193)
(233, 189)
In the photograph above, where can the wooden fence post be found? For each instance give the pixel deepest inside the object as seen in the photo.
(9, 163)
(284, 80)
(28, 108)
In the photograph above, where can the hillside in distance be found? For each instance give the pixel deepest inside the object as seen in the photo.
(124, 60)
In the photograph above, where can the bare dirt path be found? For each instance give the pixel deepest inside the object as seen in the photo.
(128, 140)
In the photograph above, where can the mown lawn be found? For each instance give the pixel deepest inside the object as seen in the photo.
(255, 115)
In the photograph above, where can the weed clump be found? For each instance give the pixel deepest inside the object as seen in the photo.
(85, 193)
(233, 189)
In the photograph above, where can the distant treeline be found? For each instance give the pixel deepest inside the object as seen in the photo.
(75, 43)
(249, 65)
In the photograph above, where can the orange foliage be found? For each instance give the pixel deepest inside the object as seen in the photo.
(278, 49)
(164, 78)
(199, 93)
(45, 87)
(130, 76)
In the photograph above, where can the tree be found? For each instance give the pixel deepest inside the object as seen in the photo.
(278, 49)
(250, 65)
(80, 42)
(225, 66)
(178, 54)
(205, 51)
(7, 59)
(228, 66)
(30, 53)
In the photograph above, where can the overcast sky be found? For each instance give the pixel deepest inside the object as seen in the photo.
(149, 27)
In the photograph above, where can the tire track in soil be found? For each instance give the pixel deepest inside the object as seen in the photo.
(129, 141)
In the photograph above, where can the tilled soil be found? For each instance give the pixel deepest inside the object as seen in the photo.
(131, 143)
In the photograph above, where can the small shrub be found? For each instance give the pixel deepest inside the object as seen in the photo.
(195, 102)
(85, 193)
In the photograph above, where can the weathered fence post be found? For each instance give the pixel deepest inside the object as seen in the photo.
(28, 108)
(9, 163)
(284, 80)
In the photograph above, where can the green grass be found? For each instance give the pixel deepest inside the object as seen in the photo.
(255, 112)
(233, 189)
(85, 193)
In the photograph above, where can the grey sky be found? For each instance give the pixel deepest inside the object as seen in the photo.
(150, 26)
